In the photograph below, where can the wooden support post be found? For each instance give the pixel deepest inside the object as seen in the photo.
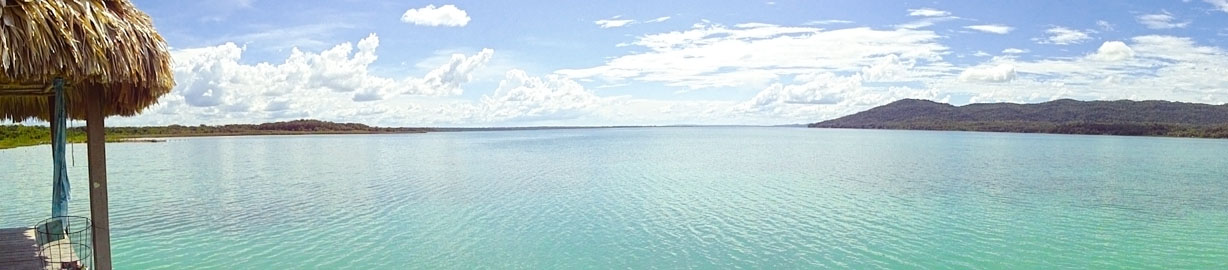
(96, 134)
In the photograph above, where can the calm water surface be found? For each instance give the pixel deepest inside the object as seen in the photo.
(652, 198)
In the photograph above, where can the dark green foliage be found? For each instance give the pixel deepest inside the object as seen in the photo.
(15, 136)
(1122, 117)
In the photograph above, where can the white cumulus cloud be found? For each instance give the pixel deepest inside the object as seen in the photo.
(888, 68)
(446, 15)
(213, 83)
(1113, 51)
(521, 97)
(823, 88)
(823, 96)
(446, 79)
(989, 74)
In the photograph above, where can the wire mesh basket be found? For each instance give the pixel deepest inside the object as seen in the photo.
(64, 242)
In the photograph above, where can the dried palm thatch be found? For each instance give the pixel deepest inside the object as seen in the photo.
(104, 46)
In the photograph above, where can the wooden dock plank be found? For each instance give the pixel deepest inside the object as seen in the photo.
(19, 250)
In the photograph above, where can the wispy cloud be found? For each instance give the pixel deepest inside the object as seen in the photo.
(658, 19)
(618, 21)
(311, 36)
(612, 22)
(1222, 5)
(1064, 36)
(925, 22)
(929, 17)
(928, 12)
(1163, 20)
(220, 10)
(751, 54)
(1014, 51)
(991, 28)
(826, 22)
(1104, 25)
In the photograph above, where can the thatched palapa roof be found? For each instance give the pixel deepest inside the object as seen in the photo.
(107, 46)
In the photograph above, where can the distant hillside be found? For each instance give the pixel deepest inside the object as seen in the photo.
(1122, 117)
(15, 136)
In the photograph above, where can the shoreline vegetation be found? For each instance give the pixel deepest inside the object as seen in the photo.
(1065, 116)
(17, 136)
(12, 136)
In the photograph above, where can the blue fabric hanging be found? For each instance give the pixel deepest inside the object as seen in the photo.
(60, 188)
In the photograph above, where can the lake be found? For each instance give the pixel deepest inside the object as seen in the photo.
(652, 198)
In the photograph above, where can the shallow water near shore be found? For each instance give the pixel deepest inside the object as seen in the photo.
(651, 198)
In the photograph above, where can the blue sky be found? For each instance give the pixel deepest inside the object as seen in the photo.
(511, 63)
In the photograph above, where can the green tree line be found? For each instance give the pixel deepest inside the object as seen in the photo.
(17, 136)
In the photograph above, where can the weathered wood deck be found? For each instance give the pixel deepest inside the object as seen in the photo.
(19, 250)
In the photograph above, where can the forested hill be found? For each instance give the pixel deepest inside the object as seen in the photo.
(1121, 117)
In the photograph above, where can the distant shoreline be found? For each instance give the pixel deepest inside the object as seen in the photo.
(1072, 117)
(164, 137)
(439, 129)
(32, 136)
(18, 136)
(1019, 133)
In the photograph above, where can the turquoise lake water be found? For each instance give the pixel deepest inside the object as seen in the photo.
(668, 198)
